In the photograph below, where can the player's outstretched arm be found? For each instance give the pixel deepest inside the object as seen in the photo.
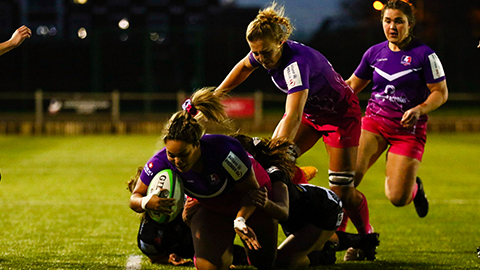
(17, 38)
(237, 75)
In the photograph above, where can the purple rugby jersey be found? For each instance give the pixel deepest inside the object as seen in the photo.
(399, 78)
(225, 162)
(302, 67)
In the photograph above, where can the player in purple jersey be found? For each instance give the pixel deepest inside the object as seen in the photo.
(408, 82)
(219, 173)
(17, 38)
(319, 104)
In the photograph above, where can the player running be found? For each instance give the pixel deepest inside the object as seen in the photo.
(408, 82)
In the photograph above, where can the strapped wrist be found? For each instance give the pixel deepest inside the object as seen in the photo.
(239, 223)
(145, 200)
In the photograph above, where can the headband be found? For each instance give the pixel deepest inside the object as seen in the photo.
(188, 106)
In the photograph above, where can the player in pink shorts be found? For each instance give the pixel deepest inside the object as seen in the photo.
(408, 82)
(341, 133)
(402, 142)
(318, 105)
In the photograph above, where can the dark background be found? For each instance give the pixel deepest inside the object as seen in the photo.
(200, 41)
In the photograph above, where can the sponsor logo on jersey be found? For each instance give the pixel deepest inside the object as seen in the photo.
(292, 76)
(436, 65)
(234, 165)
(388, 95)
(389, 89)
(406, 60)
(214, 179)
(147, 170)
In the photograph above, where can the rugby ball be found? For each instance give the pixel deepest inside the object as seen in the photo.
(172, 183)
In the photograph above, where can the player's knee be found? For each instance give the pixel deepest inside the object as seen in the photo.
(205, 264)
(341, 179)
(399, 199)
(342, 183)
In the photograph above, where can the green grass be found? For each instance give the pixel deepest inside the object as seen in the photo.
(64, 204)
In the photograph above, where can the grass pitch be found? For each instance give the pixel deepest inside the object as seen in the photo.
(64, 205)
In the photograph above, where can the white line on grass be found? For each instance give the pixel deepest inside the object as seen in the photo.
(134, 262)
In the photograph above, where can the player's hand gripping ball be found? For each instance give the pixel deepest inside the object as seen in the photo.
(172, 187)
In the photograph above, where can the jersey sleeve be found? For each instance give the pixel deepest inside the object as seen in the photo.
(153, 166)
(237, 162)
(433, 69)
(364, 70)
(296, 76)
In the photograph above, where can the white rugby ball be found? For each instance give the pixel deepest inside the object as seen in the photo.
(169, 180)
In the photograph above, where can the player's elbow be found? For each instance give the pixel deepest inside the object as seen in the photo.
(283, 213)
(134, 205)
(283, 216)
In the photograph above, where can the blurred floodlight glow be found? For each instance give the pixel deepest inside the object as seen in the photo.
(377, 5)
(42, 30)
(123, 23)
(82, 33)
(124, 37)
(80, 2)
(52, 31)
(154, 36)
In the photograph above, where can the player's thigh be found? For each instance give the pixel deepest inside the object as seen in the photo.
(401, 172)
(213, 236)
(371, 147)
(341, 159)
(306, 137)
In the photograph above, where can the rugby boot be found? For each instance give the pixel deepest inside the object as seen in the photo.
(369, 245)
(310, 172)
(364, 249)
(326, 256)
(420, 201)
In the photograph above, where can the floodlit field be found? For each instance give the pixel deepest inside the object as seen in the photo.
(64, 205)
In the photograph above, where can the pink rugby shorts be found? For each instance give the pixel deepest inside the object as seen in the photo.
(337, 132)
(405, 142)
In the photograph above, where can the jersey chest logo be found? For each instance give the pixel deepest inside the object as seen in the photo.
(214, 179)
(406, 60)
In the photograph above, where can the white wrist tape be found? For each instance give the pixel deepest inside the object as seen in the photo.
(239, 223)
(145, 201)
